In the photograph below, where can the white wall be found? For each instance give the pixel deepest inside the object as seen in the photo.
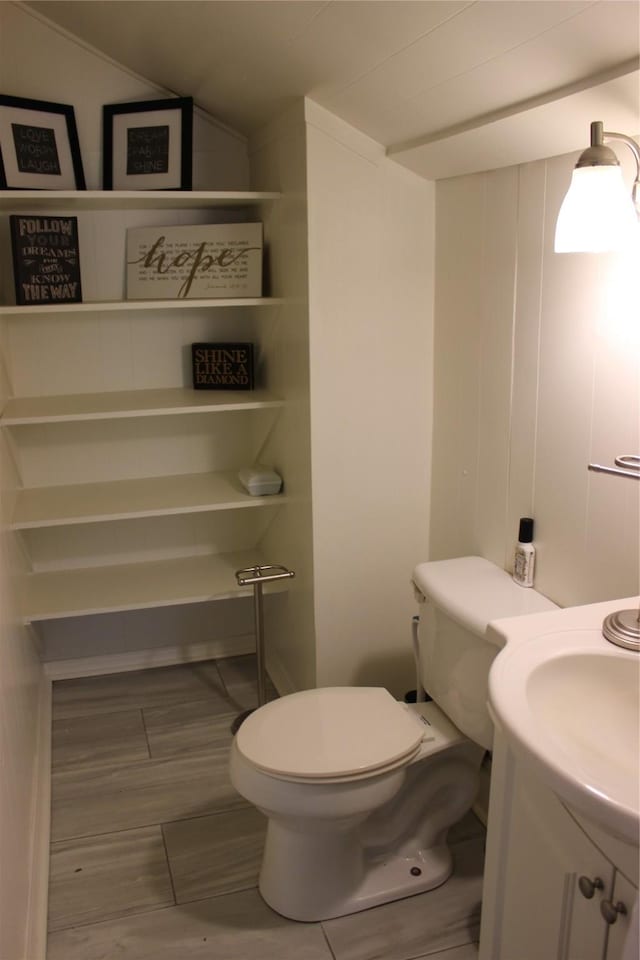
(279, 162)
(535, 378)
(24, 747)
(43, 62)
(371, 229)
(357, 422)
(24, 760)
(24, 718)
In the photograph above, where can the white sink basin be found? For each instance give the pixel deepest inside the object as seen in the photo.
(568, 702)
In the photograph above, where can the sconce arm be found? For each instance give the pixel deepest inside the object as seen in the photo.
(633, 146)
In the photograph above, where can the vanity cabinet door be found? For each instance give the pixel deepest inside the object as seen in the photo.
(554, 881)
(624, 924)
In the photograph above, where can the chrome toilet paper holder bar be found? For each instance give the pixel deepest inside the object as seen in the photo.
(256, 577)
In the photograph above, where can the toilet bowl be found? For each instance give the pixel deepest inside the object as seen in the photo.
(337, 755)
(359, 789)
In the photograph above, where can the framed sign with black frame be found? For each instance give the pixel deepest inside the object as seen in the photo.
(39, 146)
(148, 145)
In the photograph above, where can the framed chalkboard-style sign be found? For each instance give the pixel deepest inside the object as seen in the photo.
(46, 259)
(148, 145)
(39, 147)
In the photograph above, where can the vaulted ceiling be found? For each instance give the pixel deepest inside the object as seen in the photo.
(429, 79)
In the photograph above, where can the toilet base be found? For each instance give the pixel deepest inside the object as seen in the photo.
(338, 847)
(385, 880)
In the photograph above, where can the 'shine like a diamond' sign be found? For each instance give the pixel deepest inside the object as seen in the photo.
(222, 366)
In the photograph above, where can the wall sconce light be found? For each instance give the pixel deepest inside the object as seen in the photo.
(598, 214)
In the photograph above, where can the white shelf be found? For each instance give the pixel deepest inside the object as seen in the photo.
(130, 199)
(128, 499)
(136, 586)
(115, 405)
(102, 306)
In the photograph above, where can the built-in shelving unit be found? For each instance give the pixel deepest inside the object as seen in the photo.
(75, 583)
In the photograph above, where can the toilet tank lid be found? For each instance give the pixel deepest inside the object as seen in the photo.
(473, 591)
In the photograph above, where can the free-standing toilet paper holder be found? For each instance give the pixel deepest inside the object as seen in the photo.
(257, 576)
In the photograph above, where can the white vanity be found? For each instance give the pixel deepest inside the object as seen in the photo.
(561, 873)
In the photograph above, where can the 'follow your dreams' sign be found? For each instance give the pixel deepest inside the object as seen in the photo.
(46, 259)
(194, 262)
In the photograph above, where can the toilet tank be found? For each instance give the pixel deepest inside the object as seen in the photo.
(458, 598)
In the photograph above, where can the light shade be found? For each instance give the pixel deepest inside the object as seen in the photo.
(597, 214)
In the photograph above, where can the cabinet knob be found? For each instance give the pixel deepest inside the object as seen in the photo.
(610, 910)
(588, 887)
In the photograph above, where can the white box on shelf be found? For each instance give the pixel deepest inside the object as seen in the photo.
(260, 481)
(194, 262)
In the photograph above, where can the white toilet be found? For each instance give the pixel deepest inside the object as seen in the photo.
(360, 789)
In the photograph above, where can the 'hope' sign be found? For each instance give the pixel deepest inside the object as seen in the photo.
(194, 262)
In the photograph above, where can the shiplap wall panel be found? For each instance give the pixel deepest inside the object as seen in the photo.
(526, 337)
(494, 395)
(575, 373)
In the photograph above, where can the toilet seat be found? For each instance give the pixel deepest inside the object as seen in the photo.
(330, 734)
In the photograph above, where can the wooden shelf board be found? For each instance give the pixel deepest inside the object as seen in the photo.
(113, 405)
(136, 586)
(128, 499)
(130, 199)
(109, 306)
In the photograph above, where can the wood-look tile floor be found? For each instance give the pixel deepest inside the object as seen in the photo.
(154, 856)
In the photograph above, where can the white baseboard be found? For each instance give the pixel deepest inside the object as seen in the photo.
(144, 659)
(36, 930)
